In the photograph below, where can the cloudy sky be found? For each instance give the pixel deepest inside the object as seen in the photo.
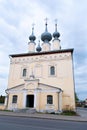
(16, 18)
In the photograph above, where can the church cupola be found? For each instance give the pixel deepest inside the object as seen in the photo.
(38, 49)
(56, 41)
(46, 37)
(32, 38)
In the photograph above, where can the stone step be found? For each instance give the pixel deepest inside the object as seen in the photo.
(26, 110)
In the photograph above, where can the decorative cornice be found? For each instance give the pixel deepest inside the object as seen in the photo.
(41, 53)
(37, 58)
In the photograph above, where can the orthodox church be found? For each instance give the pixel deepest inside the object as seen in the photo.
(43, 78)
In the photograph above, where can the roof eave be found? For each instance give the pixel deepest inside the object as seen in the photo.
(42, 53)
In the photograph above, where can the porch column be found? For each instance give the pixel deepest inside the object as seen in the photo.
(60, 101)
(5, 101)
(24, 99)
(35, 98)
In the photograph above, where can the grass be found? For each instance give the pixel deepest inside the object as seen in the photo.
(6, 110)
(66, 113)
(69, 113)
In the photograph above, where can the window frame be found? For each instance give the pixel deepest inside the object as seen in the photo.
(14, 98)
(50, 99)
(52, 70)
(24, 72)
(27, 73)
(49, 70)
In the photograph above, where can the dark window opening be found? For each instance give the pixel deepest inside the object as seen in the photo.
(24, 72)
(52, 70)
(49, 99)
(14, 99)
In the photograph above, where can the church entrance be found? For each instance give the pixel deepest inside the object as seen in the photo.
(30, 101)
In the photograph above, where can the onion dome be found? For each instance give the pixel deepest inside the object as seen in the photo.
(56, 34)
(32, 37)
(38, 47)
(46, 36)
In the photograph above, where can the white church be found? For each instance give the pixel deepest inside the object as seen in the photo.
(43, 78)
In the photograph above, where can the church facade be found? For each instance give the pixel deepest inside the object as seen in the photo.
(43, 78)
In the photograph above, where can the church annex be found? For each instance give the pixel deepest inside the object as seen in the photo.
(43, 78)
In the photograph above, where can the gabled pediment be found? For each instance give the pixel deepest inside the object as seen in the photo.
(30, 86)
(33, 86)
(48, 87)
(16, 88)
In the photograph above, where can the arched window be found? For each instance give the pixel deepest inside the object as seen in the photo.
(49, 99)
(14, 99)
(52, 70)
(24, 72)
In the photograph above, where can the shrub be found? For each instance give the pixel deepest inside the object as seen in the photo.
(2, 99)
(69, 113)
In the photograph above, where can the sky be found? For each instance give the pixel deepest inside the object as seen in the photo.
(16, 19)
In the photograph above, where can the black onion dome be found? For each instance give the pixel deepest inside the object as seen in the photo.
(46, 36)
(56, 34)
(32, 37)
(38, 47)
